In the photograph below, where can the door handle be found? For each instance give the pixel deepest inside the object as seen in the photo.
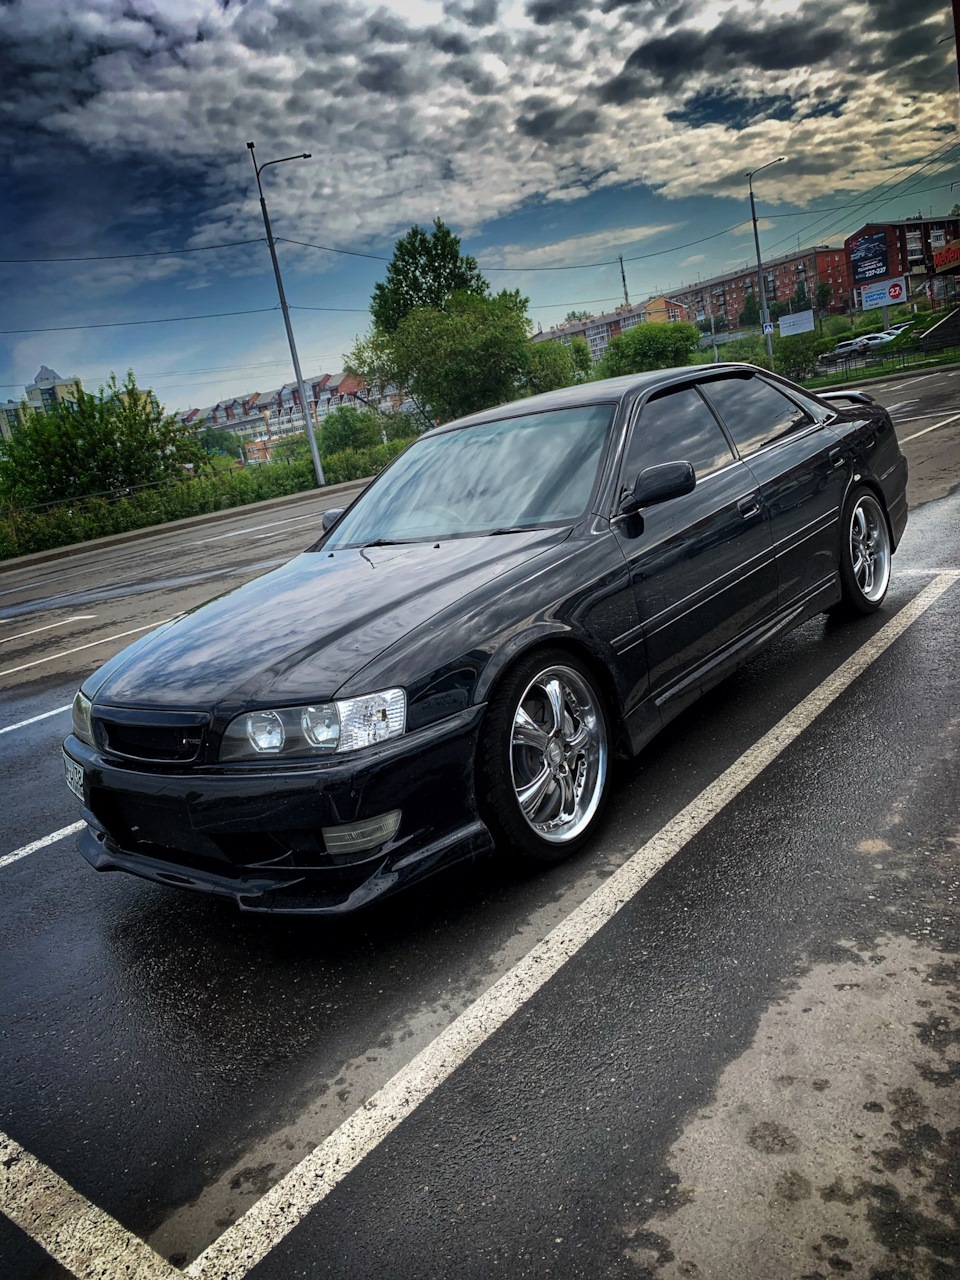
(749, 506)
(836, 457)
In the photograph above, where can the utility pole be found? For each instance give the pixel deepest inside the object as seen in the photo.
(623, 274)
(302, 390)
(764, 313)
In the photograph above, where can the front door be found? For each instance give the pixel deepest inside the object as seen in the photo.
(701, 565)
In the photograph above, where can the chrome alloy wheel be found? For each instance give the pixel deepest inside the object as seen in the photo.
(558, 754)
(870, 548)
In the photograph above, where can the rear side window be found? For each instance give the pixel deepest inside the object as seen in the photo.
(754, 412)
(676, 427)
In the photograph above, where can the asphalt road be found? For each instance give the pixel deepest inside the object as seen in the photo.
(749, 1071)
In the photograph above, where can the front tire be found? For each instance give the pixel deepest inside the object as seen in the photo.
(865, 554)
(544, 757)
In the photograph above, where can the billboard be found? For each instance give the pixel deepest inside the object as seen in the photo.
(868, 257)
(947, 258)
(884, 294)
(802, 322)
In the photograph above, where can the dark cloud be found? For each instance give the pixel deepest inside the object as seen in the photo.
(665, 63)
(448, 41)
(388, 75)
(546, 12)
(483, 13)
(556, 124)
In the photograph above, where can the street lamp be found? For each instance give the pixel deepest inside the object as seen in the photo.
(314, 452)
(765, 315)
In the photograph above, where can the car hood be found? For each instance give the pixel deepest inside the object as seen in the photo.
(301, 631)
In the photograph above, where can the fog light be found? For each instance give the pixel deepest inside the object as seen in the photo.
(357, 836)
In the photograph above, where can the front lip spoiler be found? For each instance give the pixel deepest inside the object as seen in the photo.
(296, 893)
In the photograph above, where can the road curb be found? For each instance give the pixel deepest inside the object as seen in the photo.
(170, 526)
(890, 377)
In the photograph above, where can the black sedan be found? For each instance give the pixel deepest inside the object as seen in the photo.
(519, 597)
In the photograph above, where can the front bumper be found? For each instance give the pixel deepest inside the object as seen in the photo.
(253, 834)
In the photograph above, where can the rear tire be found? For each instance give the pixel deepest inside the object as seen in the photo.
(866, 552)
(543, 761)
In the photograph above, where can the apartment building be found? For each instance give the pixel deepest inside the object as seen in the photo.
(885, 250)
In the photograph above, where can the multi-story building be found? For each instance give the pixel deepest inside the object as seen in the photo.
(726, 295)
(48, 389)
(596, 331)
(9, 413)
(885, 250)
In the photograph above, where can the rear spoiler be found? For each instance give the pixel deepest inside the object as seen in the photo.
(858, 397)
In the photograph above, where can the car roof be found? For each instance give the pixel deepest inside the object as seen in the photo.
(604, 391)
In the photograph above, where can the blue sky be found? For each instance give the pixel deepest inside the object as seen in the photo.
(545, 132)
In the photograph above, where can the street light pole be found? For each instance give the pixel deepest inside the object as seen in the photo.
(764, 313)
(311, 437)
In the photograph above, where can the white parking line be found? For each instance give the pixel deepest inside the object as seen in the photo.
(45, 715)
(926, 430)
(77, 617)
(40, 844)
(9, 671)
(92, 1244)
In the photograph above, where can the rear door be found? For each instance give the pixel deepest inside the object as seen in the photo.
(801, 467)
(702, 564)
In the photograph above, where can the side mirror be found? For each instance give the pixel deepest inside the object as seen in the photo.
(330, 517)
(659, 484)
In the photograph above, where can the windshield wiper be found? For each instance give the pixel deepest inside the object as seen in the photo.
(383, 542)
(517, 528)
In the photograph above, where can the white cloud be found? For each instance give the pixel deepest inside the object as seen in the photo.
(581, 248)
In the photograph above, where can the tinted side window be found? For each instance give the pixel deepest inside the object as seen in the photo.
(753, 411)
(676, 427)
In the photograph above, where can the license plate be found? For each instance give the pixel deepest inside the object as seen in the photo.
(74, 773)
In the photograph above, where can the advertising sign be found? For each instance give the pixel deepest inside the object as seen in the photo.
(802, 322)
(947, 258)
(868, 257)
(883, 294)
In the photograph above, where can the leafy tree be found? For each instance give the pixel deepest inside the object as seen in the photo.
(778, 309)
(955, 211)
(824, 290)
(291, 448)
(750, 315)
(470, 356)
(217, 441)
(549, 366)
(348, 428)
(751, 350)
(576, 315)
(649, 346)
(424, 272)
(800, 300)
(796, 357)
(115, 439)
(581, 359)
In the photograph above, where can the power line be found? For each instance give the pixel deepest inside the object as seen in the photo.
(154, 253)
(214, 315)
(353, 253)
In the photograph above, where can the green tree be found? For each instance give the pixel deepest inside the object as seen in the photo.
(824, 291)
(750, 315)
(118, 438)
(425, 270)
(549, 366)
(291, 448)
(955, 211)
(581, 359)
(649, 346)
(796, 357)
(469, 357)
(576, 315)
(800, 300)
(217, 441)
(348, 428)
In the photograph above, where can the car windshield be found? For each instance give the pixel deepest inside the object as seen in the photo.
(515, 473)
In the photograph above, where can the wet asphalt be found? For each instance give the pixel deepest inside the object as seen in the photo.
(172, 1059)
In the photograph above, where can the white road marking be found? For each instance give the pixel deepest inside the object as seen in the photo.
(95, 1246)
(77, 617)
(9, 671)
(926, 430)
(926, 573)
(33, 719)
(267, 1222)
(902, 404)
(75, 1232)
(252, 528)
(41, 844)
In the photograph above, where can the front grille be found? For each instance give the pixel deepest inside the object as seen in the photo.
(173, 736)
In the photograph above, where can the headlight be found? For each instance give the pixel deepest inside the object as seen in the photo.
(320, 729)
(82, 726)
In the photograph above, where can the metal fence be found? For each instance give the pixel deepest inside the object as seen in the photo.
(873, 363)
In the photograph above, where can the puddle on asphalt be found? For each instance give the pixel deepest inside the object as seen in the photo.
(832, 1147)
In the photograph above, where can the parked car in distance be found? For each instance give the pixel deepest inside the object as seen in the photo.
(516, 599)
(871, 340)
(845, 350)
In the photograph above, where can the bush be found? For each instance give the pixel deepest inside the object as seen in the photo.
(24, 531)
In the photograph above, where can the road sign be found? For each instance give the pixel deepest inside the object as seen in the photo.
(802, 322)
(768, 327)
(884, 293)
